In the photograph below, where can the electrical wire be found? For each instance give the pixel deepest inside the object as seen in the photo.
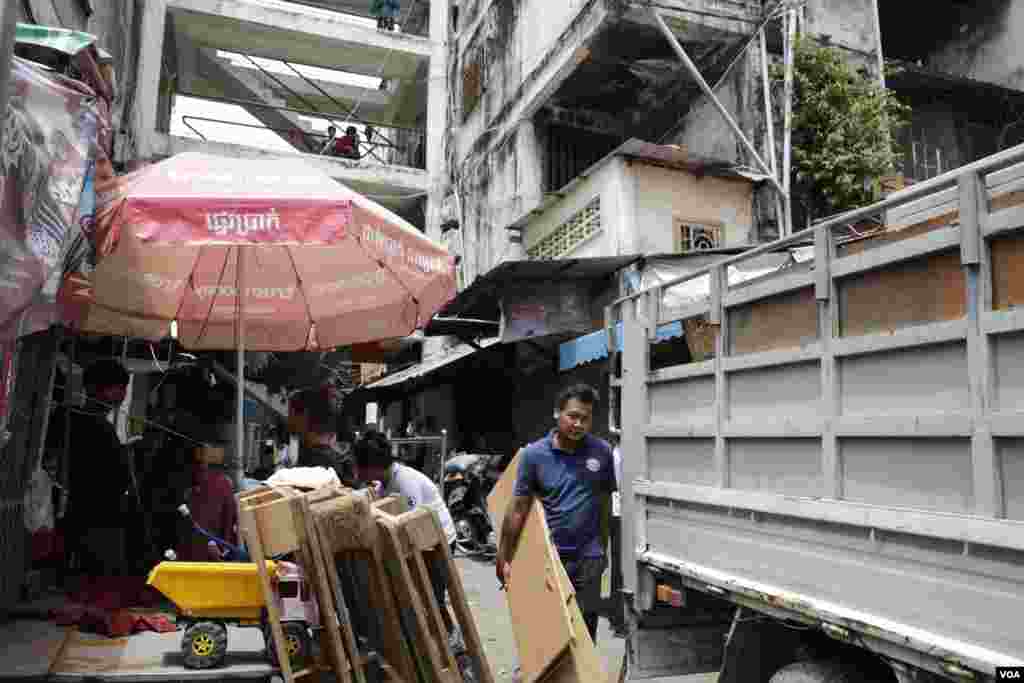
(75, 408)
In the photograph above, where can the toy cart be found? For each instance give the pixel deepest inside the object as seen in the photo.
(211, 595)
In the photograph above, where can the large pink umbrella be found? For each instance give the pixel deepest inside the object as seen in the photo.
(317, 264)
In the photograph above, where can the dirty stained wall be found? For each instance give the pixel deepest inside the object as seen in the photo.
(848, 24)
(507, 39)
(989, 47)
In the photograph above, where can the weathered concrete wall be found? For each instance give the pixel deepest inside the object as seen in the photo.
(509, 39)
(665, 195)
(848, 24)
(990, 50)
(660, 197)
(603, 185)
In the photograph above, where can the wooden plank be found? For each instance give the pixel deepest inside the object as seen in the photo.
(348, 522)
(429, 657)
(782, 321)
(1007, 260)
(914, 292)
(392, 505)
(252, 539)
(463, 614)
(395, 645)
(341, 647)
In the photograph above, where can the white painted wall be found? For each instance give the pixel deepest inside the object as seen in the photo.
(604, 184)
(659, 197)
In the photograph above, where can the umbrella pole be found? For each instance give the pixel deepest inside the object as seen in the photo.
(239, 465)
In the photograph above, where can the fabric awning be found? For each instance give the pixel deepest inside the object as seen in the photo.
(594, 346)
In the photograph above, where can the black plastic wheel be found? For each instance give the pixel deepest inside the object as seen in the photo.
(204, 645)
(296, 641)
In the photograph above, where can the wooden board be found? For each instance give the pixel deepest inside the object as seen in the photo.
(396, 652)
(409, 540)
(551, 636)
(412, 586)
(340, 648)
(267, 521)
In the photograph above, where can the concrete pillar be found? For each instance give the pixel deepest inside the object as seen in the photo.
(147, 84)
(8, 23)
(437, 115)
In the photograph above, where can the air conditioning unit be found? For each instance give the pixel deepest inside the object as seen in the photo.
(696, 237)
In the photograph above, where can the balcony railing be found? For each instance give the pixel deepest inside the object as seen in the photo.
(377, 143)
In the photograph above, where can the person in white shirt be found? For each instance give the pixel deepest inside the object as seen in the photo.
(375, 462)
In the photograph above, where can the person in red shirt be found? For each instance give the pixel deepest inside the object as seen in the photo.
(346, 146)
(211, 502)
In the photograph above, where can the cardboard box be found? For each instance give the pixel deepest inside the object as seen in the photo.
(211, 455)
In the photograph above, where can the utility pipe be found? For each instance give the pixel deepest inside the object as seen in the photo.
(787, 128)
(695, 72)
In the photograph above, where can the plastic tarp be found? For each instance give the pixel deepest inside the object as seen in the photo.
(60, 39)
(656, 270)
(55, 134)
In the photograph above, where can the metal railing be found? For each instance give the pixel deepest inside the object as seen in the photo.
(380, 143)
(647, 303)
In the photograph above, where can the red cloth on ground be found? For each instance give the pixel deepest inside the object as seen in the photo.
(212, 505)
(115, 623)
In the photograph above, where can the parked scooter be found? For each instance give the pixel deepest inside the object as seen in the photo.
(468, 479)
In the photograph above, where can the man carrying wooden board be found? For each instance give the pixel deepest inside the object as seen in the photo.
(572, 473)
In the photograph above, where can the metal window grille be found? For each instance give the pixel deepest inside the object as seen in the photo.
(696, 237)
(583, 225)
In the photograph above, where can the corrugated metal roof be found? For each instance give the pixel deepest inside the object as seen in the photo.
(480, 299)
(430, 365)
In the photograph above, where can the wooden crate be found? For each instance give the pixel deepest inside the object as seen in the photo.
(273, 523)
(346, 532)
(408, 539)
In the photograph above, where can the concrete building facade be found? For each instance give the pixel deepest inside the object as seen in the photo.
(541, 91)
(259, 54)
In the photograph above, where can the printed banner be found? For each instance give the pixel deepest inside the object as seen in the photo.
(51, 132)
(537, 310)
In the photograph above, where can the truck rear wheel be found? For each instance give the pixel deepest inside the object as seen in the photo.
(296, 642)
(818, 671)
(204, 645)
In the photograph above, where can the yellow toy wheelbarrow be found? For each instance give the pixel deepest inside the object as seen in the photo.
(211, 595)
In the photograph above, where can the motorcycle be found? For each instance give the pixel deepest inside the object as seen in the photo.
(468, 479)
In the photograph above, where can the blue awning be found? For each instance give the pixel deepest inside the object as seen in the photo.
(594, 346)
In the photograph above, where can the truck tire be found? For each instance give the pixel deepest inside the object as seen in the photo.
(204, 645)
(296, 641)
(817, 671)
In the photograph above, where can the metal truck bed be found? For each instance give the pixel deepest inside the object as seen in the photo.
(851, 450)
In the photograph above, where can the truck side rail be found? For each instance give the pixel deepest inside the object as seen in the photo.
(868, 403)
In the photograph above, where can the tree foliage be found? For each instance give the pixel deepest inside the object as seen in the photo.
(844, 126)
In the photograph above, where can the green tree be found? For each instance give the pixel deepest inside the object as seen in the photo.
(844, 130)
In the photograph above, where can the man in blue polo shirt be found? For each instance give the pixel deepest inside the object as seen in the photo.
(572, 473)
